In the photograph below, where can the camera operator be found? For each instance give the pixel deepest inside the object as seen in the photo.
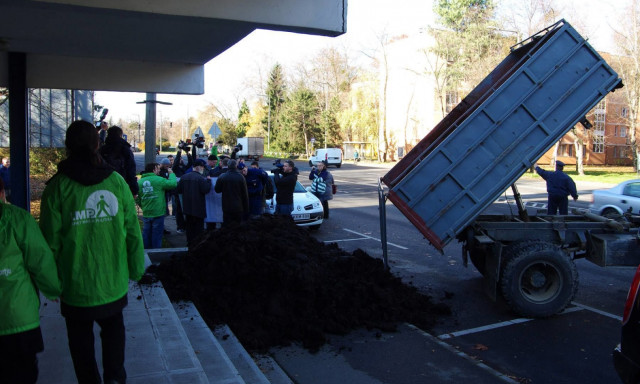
(235, 151)
(285, 179)
(180, 168)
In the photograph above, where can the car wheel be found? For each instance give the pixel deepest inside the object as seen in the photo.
(339, 165)
(539, 280)
(310, 163)
(610, 213)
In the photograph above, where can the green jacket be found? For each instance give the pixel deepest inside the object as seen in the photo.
(25, 260)
(151, 194)
(95, 236)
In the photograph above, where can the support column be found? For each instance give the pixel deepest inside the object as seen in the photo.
(18, 130)
(150, 130)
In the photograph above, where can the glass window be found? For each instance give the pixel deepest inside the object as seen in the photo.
(632, 189)
(623, 131)
(451, 100)
(624, 112)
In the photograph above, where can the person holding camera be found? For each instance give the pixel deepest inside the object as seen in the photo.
(322, 184)
(285, 179)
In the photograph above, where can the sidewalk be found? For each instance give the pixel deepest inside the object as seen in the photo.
(165, 343)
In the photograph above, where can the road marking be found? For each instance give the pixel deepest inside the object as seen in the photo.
(499, 325)
(603, 313)
(463, 355)
(373, 238)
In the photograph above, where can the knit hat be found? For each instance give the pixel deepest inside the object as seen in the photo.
(165, 162)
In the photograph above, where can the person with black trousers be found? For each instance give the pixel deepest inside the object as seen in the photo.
(285, 180)
(117, 153)
(235, 198)
(193, 187)
(179, 169)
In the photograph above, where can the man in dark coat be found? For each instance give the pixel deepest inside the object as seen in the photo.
(235, 198)
(559, 186)
(285, 180)
(117, 152)
(193, 187)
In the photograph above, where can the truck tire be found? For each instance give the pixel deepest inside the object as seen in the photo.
(310, 163)
(538, 280)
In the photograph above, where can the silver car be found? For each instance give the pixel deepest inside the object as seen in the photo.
(617, 200)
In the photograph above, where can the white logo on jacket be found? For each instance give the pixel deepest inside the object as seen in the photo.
(101, 206)
(5, 272)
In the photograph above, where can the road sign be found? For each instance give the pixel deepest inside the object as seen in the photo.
(215, 131)
(198, 132)
(313, 139)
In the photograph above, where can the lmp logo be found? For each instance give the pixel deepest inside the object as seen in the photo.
(101, 206)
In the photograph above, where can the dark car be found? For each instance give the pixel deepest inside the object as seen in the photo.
(626, 356)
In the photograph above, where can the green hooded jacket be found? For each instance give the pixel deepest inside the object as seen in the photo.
(88, 217)
(151, 193)
(25, 260)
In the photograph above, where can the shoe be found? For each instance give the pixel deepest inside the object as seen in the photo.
(180, 230)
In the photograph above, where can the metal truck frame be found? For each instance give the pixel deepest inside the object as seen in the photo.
(543, 88)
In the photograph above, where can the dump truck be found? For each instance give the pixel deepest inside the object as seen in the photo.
(542, 89)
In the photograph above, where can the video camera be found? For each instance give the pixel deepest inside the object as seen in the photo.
(278, 166)
(237, 148)
(103, 115)
(198, 142)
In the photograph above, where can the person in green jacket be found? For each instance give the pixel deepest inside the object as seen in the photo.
(151, 198)
(26, 266)
(88, 217)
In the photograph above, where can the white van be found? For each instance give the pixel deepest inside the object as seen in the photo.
(333, 156)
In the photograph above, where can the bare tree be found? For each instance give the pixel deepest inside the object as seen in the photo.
(627, 37)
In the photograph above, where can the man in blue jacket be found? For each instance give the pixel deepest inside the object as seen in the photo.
(559, 186)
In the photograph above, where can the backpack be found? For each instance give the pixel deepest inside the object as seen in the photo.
(254, 184)
(318, 186)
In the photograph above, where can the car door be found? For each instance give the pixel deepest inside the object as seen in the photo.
(631, 197)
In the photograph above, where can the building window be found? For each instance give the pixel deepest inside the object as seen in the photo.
(615, 131)
(566, 150)
(451, 100)
(598, 142)
(620, 152)
(598, 127)
(623, 131)
(624, 112)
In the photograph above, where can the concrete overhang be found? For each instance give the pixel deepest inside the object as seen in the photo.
(144, 46)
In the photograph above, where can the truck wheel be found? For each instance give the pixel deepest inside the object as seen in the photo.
(339, 165)
(310, 163)
(539, 280)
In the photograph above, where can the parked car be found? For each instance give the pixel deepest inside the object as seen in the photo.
(307, 209)
(626, 356)
(617, 200)
(333, 156)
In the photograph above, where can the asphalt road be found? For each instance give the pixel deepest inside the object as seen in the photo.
(483, 341)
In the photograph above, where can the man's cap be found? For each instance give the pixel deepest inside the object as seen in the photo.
(559, 164)
(241, 166)
(199, 162)
(165, 162)
(212, 157)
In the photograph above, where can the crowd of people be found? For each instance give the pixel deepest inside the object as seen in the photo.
(88, 243)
